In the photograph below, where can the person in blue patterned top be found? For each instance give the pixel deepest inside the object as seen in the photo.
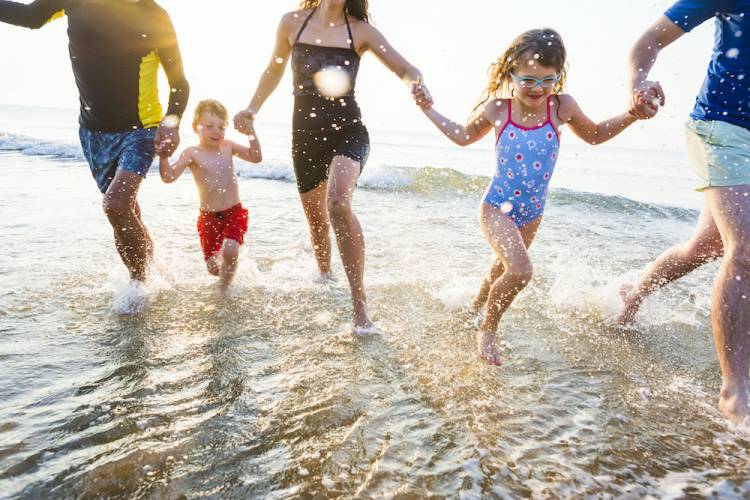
(718, 144)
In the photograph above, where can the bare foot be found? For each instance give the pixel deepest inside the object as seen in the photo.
(631, 304)
(362, 323)
(734, 405)
(487, 348)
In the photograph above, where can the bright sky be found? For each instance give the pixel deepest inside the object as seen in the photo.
(227, 43)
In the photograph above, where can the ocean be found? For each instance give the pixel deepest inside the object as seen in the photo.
(266, 395)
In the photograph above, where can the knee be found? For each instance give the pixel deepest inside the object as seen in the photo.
(117, 207)
(213, 267)
(231, 250)
(339, 207)
(520, 272)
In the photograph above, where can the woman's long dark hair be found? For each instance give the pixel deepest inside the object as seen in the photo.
(355, 8)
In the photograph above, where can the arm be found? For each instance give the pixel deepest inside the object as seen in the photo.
(251, 153)
(584, 127)
(384, 51)
(276, 66)
(171, 61)
(34, 15)
(463, 135)
(168, 134)
(642, 59)
(170, 173)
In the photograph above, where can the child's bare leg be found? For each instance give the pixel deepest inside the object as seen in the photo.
(315, 205)
(496, 271)
(230, 253)
(509, 246)
(704, 246)
(213, 264)
(528, 233)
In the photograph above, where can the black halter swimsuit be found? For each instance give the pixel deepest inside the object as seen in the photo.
(324, 127)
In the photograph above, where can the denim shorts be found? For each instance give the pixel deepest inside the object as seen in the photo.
(719, 152)
(108, 152)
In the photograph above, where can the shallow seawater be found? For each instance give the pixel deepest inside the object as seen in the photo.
(265, 393)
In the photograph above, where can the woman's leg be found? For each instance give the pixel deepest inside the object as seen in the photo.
(315, 206)
(704, 246)
(508, 243)
(342, 180)
(528, 233)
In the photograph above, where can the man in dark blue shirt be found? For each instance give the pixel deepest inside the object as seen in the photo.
(116, 49)
(718, 144)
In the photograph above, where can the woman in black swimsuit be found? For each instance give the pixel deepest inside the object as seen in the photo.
(330, 144)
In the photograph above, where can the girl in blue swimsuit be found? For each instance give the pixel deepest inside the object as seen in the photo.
(525, 105)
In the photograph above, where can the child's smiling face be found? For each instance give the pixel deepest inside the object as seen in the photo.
(532, 82)
(211, 129)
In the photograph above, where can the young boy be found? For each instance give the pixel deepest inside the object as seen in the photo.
(222, 223)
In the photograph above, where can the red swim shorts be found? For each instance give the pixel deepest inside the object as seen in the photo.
(215, 227)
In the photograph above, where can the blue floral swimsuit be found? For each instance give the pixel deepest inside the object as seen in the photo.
(526, 158)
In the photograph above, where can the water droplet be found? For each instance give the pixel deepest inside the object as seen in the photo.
(733, 53)
(506, 207)
(279, 60)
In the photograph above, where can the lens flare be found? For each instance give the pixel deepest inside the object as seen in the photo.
(171, 121)
(332, 82)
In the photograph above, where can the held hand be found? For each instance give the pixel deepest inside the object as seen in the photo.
(646, 104)
(243, 122)
(421, 95)
(250, 133)
(166, 141)
(646, 99)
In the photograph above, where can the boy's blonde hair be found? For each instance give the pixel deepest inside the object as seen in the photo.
(210, 106)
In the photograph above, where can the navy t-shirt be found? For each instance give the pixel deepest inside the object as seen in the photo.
(725, 95)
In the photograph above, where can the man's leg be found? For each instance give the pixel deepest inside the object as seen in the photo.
(131, 238)
(730, 315)
(149, 241)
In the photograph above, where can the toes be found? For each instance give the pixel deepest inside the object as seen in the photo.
(491, 358)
